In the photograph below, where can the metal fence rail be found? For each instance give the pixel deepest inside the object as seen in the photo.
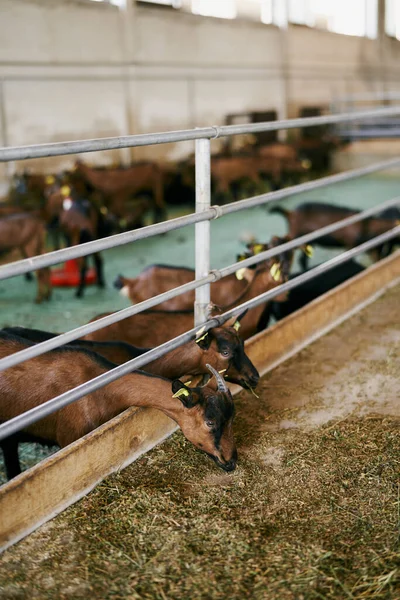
(204, 213)
(216, 274)
(44, 410)
(149, 139)
(52, 258)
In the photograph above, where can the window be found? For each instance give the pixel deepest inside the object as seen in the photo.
(120, 3)
(266, 11)
(173, 3)
(392, 18)
(361, 19)
(224, 9)
(269, 11)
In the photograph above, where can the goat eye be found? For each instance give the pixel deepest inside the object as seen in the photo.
(225, 352)
(210, 424)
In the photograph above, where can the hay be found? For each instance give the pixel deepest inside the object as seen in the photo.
(321, 521)
(312, 512)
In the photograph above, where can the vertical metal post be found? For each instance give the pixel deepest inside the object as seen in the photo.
(203, 201)
(9, 167)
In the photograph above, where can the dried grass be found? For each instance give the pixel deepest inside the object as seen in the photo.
(322, 522)
(309, 514)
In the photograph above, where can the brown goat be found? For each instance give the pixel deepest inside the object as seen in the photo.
(116, 352)
(152, 328)
(204, 415)
(30, 189)
(279, 151)
(157, 279)
(311, 216)
(27, 233)
(80, 221)
(119, 185)
(221, 347)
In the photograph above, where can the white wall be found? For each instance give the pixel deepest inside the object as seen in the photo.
(72, 69)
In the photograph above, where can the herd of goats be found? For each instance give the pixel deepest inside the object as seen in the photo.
(189, 383)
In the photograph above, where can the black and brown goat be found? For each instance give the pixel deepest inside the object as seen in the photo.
(205, 415)
(311, 216)
(221, 347)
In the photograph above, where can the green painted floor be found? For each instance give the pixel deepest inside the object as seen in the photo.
(175, 248)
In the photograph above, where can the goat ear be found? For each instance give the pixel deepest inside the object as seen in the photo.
(275, 271)
(245, 273)
(235, 321)
(182, 392)
(242, 314)
(203, 340)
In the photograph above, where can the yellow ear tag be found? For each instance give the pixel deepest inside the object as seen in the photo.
(240, 274)
(309, 250)
(180, 392)
(236, 325)
(275, 272)
(203, 337)
(104, 210)
(306, 164)
(200, 331)
(50, 180)
(257, 248)
(65, 191)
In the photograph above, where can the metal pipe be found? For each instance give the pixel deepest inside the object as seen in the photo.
(74, 334)
(318, 270)
(202, 229)
(307, 121)
(308, 187)
(309, 237)
(131, 141)
(46, 409)
(94, 145)
(52, 258)
(39, 412)
(64, 338)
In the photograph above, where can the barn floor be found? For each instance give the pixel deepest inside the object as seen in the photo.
(66, 312)
(312, 511)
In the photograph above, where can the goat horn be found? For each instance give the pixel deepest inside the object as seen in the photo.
(222, 387)
(221, 320)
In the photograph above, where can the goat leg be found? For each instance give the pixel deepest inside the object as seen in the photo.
(98, 261)
(9, 447)
(82, 281)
